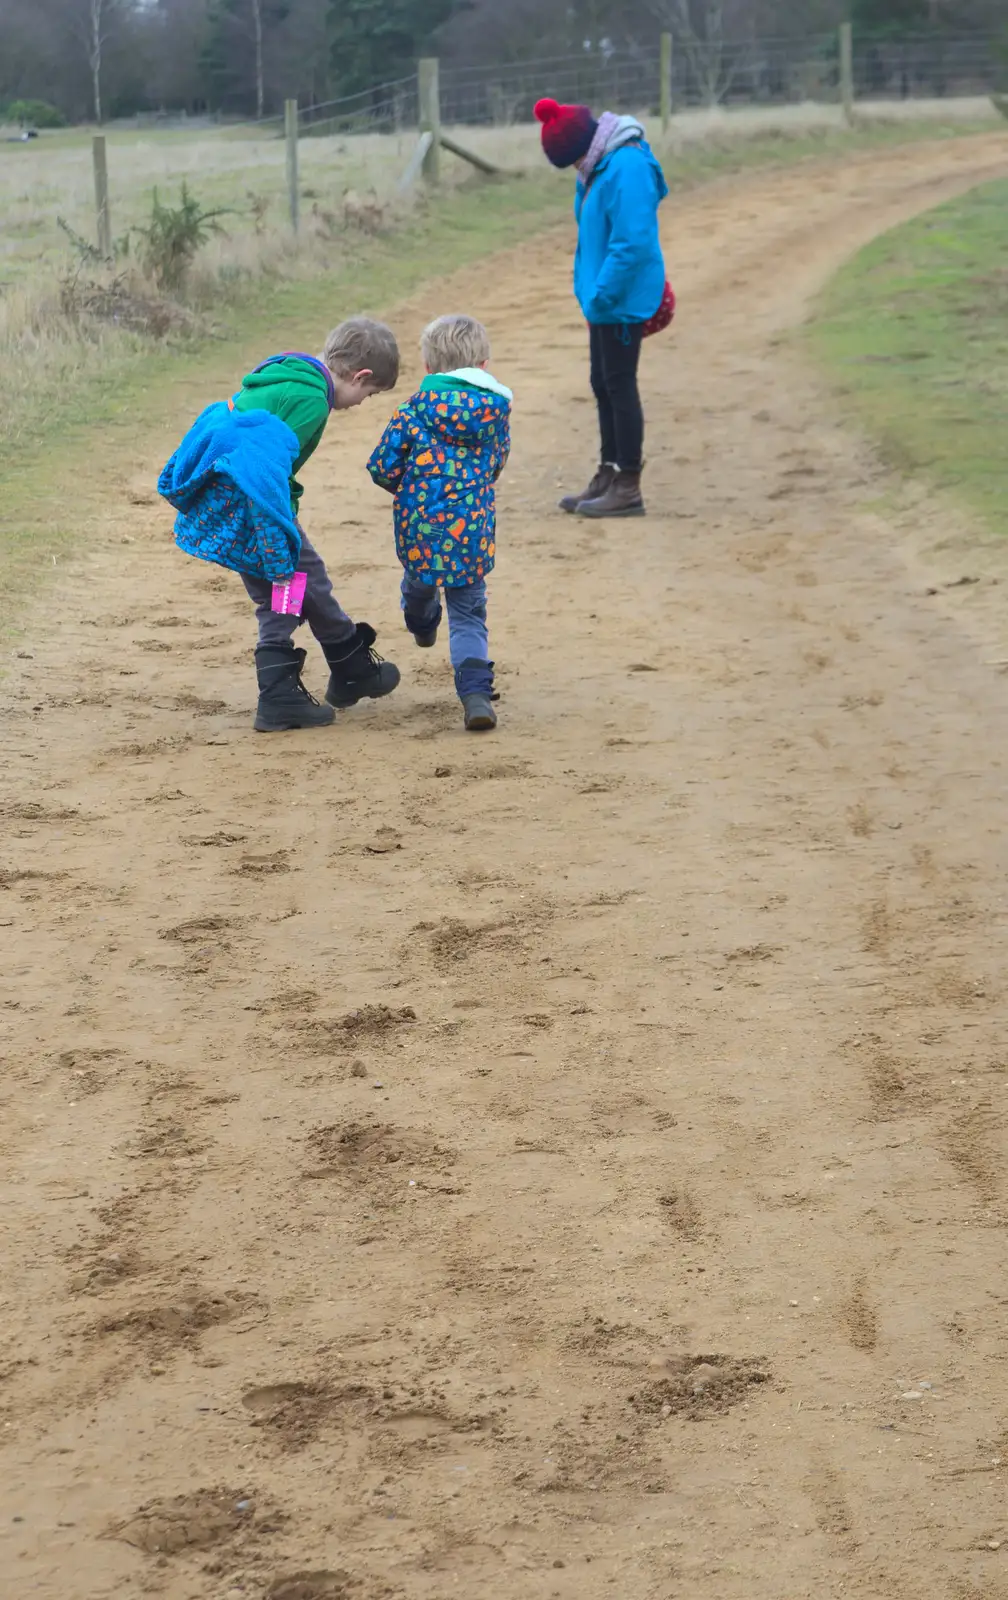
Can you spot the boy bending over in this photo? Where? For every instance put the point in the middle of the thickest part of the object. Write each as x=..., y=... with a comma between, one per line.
x=233, y=481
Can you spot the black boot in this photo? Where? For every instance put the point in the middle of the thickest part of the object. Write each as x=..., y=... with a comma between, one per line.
x=599, y=484
x=284, y=702
x=474, y=686
x=425, y=633
x=357, y=670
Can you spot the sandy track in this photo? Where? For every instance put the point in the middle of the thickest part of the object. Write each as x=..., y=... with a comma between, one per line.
x=692, y=1039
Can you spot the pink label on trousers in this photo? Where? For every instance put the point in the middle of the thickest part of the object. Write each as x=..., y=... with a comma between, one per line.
x=288, y=597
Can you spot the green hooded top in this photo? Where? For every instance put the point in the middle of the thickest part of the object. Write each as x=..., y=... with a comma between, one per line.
x=297, y=390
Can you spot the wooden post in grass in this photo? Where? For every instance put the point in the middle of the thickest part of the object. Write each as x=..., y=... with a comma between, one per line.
x=479, y=162
x=427, y=156
x=847, y=71
x=416, y=161
x=101, y=195
x=666, y=82
x=291, y=132
x=429, y=77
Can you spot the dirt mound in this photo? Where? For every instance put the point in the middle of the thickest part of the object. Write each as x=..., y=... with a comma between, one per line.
x=372, y=1149
x=698, y=1387
x=196, y=1521
x=180, y=1323
x=374, y=1022
x=197, y=930
x=311, y=1586
x=368, y=1025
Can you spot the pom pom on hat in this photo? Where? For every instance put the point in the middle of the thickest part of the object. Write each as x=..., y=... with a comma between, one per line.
x=567, y=131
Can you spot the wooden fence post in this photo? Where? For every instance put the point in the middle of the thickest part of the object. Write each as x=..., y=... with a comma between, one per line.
x=291, y=132
x=101, y=195
x=430, y=115
x=847, y=70
x=666, y=81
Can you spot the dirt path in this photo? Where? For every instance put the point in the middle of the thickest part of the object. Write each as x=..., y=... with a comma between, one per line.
x=569, y=1164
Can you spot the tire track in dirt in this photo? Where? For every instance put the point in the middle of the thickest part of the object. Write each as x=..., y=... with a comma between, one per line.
x=539, y=1165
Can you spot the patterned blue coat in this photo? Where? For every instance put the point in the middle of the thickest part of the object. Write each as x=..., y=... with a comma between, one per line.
x=441, y=456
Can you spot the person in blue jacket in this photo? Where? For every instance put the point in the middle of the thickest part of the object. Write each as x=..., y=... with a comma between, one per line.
x=619, y=281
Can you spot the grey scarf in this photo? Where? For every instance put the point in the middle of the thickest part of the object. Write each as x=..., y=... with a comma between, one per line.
x=612, y=133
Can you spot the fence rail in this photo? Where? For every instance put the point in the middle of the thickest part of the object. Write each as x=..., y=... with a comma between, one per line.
x=909, y=68
x=752, y=72
x=672, y=74
x=756, y=72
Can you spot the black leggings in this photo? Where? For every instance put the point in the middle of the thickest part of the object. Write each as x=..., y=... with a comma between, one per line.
x=615, y=352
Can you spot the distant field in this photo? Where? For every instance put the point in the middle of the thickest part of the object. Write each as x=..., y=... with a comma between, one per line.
x=81, y=372
x=915, y=331
x=51, y=177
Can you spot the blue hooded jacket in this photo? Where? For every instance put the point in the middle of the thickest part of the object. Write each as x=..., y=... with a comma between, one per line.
x=619, y=270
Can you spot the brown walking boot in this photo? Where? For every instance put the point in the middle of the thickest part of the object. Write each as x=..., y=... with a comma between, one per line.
x=599, y=484
x=621, y=499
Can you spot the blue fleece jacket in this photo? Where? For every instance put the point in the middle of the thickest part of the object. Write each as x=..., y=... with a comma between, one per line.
x=619, y=270
x=229, y=482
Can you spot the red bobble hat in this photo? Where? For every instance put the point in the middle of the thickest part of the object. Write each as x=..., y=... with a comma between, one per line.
x=567, y=132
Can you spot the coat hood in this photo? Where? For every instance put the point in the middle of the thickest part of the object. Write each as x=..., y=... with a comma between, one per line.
x=467, y=407
x=294, y=371
x=627, y=129
x=628, y=138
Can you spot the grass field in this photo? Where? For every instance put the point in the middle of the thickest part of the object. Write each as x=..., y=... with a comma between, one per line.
x=915, y=331
x=241, y=170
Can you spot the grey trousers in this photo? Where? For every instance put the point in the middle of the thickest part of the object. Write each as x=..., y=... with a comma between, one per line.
x=321, y=609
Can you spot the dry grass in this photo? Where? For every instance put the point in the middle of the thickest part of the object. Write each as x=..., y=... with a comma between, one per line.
x=50, y=339
x=59, y=322
x=51, y=176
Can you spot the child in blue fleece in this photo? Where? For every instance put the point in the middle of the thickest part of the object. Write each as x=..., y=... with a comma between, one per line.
x=441, y=456
x=233, y=481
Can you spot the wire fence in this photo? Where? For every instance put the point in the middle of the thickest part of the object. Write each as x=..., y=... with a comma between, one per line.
x=756, y=72
x=305, y=154
x=387, y=108
x=931, y=67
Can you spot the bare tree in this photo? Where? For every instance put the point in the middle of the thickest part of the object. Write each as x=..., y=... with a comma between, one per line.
x=258, y=28
x=699, y=32
x=96, y=41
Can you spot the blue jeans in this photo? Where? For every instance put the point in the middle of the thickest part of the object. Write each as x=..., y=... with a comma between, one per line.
x=468, y=641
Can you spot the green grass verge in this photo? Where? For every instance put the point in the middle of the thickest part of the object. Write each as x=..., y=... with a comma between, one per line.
x=914, y=330
x=73, y=450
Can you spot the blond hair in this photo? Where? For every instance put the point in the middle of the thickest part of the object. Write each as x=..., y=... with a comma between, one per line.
x=361, y=345
x=452, y=342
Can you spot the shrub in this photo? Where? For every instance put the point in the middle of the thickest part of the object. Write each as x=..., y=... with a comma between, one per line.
x=35, y=114
x=170, y=240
